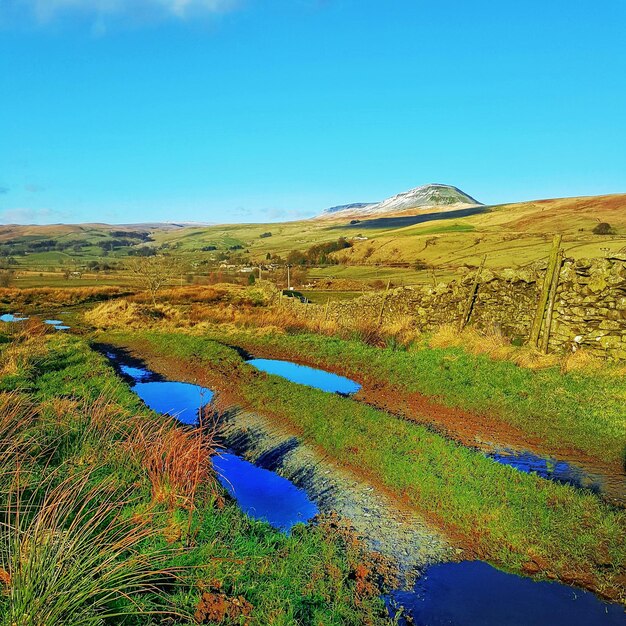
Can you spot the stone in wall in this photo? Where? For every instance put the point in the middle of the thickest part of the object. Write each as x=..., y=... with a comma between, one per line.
x=589, y=310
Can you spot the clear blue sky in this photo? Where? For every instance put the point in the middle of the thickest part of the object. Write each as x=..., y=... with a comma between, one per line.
x=252, y=110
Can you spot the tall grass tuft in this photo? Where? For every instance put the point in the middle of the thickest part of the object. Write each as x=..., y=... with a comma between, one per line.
x=177, y=461
x=70, y=554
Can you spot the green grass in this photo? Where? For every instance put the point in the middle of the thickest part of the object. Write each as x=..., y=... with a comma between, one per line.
x=321, y=296
x=435, y=230
x=583, y=410
x=304, y=578
x=510, y=517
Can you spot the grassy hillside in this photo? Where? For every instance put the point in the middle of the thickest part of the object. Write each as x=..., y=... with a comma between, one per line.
x=384, y=248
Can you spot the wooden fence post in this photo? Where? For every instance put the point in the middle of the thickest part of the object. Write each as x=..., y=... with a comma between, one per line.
x=382, y=305
x=552, y=297
x=535, y=330
x=467, y=309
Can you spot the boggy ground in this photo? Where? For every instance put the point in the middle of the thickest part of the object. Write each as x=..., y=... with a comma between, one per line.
x=599, y=454
x=514, y=520
x=387, y=527
x=112, y=513
x=386, y=524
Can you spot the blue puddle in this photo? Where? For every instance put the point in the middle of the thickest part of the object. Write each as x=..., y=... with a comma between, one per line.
x=137, y=374
x=58, y=324
x=473, y=593
x=303, y=375
x=9, y=317
x=550, y=469
x=180, y=400
x=262, y=494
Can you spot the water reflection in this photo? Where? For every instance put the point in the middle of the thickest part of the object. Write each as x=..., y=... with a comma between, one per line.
x=473, y=593
x=180, y=400
x=551, y=469
x=262, y=494
x=320, y=379
x=9, y=317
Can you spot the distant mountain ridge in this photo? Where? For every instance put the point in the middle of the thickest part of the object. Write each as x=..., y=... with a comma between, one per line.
x=425, y=197
x=355, y=206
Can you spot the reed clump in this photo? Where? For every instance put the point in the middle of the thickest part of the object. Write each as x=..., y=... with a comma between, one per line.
x=124, y=313
x=177, y=462
x=71, y=556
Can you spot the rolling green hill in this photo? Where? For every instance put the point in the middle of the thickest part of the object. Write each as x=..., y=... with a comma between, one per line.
x=406, y=246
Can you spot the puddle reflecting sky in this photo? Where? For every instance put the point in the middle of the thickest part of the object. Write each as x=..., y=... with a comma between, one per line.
x=9, y=317
x=180, y=400
x=551, y=469
x=320, y=379
x=476, y=594
x=263, y=494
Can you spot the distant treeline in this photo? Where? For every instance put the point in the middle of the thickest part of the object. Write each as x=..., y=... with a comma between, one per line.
x=319, y=253
x=119, y=239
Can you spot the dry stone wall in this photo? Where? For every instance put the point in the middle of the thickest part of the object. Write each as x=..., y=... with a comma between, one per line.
x=589, y=308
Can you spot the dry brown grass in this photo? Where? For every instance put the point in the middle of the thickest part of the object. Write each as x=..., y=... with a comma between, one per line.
x=290, y=316
x=21, y=354
x=189, y=294
x=20, y=299
x=495, y=345
x=581, y=360
x=177, y=461
x=125, y=314
x=16, y=413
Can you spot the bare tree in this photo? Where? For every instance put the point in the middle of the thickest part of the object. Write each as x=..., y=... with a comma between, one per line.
x=152, y=273
x=6, y=278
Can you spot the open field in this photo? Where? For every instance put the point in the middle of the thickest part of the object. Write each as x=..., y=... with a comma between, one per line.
x=432, y=408
x=381, y=249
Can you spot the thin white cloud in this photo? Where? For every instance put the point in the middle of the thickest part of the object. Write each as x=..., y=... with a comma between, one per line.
x=27, y=215
x=46, y=11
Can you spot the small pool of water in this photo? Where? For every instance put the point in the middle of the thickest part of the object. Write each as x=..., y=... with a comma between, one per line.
x=61, y=327
x=551, y=469
x=137, y=374
x=53, y=322
x=473, y=593
x=262, y=494
x=180, y=400
x=303, y=375
x=9, y=317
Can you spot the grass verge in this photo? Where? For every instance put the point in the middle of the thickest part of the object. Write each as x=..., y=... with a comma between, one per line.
x=102, y=526
x=578, y=409
x=515, y=520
